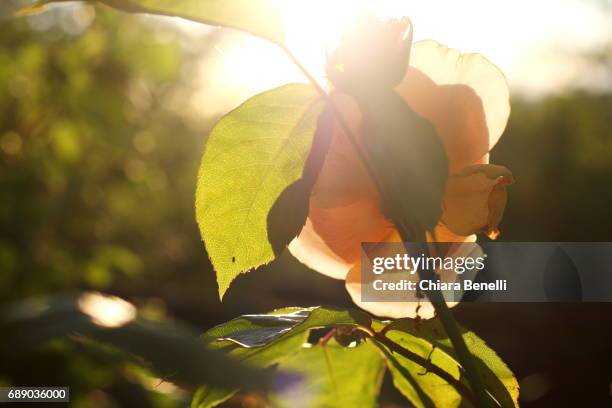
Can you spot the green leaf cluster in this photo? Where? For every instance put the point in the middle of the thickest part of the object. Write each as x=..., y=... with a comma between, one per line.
x=345, y=365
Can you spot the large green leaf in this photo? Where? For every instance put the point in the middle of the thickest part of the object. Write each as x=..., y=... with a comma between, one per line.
x=258, y=17
x=423, y=389
x=224, y=336
x=338, y=374
x=207, y=396
x=252, y=155
x=257, y=330
x=429, y=340
x=279, y=348
x=404, y=378
x=335, y=376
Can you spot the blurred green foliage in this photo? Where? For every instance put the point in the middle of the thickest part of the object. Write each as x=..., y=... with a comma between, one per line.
x=93, y=156
x=560, y=150
x=97, y=169
x=99, y=151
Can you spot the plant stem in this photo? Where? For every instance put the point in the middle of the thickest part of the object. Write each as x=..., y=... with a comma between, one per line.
x=464, y=355
x=408, y=235
x=483, y=399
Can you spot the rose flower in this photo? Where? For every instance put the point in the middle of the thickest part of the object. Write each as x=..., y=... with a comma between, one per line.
x=453, y=192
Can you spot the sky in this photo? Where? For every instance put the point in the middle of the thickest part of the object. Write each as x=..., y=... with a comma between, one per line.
x=538, y=44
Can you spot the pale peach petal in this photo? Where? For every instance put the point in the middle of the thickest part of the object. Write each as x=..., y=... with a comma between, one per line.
x=475, y=198
x=441, y=233
x=312, y=251
x=464, y=96
x=343, y=229
x=393, y=310
x=344, y=204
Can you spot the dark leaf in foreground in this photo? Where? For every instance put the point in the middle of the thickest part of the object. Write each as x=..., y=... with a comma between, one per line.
x=171, y=350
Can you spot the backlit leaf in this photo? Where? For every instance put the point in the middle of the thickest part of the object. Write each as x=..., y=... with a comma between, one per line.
x=170, y=349
x=281, y=347
x=252, y=155
x=335, y=376
x=346, y=368
x=428, y=339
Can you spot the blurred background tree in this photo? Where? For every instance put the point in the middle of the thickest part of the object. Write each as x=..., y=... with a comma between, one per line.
x=99, y=150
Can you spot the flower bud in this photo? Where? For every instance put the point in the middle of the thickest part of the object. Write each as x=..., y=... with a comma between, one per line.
x=372, y=54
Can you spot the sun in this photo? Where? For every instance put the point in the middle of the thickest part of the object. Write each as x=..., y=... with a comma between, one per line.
x=246, y=65
x=515, y=41
x=314, y=28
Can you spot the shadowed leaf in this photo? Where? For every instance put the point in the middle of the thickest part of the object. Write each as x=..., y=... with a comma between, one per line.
x=172, y=350
x=278, y=348
x=288, y=215
x=408, y=155
x=289, y=212
x=335, y=376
